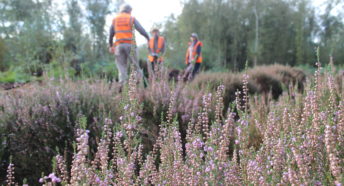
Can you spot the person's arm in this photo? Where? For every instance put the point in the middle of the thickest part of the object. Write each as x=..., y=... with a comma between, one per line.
x=112, y=34
x=198, y=51
x=141, y=30
x=163, y=48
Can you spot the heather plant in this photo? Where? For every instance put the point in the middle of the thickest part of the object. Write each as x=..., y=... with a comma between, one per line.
x=38, y=118
x=198, y=140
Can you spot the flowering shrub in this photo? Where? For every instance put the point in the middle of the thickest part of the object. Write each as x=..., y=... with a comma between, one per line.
x=197, y=140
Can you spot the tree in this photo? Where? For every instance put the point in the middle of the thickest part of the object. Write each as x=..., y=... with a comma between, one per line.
x=332, y=30
x=96, y=12
x=3, y=50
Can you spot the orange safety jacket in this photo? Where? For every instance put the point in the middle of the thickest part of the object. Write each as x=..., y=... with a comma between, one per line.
x=194, y=53
x=123, y=25
x=161, y=42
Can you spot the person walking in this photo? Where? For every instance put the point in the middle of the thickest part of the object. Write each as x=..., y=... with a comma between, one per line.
x=124, y=46
x=156, y=49
x=193, y=57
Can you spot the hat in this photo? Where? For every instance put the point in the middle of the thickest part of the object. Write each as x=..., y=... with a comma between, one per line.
x=194, y=35
x=155, y=30
x=125, y=8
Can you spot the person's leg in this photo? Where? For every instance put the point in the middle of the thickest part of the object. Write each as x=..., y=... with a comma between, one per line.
x=133, y=58
x=121, y=63
x=153, y=66
x=187, y=72
x=150, y=68
x=195, y=70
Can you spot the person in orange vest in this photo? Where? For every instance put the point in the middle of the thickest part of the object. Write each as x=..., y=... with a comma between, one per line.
x=193, y=57
x=156, y=49
x=124, y=46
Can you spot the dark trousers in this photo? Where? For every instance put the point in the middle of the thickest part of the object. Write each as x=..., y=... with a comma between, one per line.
x=196, y=69
x=191, y=71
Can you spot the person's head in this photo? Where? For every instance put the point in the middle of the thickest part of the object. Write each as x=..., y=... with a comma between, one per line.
x=155, y=32
x=125, y=8
x=194, y=37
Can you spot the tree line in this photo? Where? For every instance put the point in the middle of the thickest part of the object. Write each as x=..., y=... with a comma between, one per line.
x=259, y=32
x=34, y=33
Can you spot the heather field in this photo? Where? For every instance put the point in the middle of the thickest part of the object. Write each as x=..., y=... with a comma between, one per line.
x=268, y=125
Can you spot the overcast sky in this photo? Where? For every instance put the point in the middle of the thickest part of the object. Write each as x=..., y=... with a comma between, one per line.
x=151, y=12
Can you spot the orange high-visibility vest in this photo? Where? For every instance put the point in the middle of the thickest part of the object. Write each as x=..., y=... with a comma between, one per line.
x=194, y=53
x=161, y=42
x=123, y=25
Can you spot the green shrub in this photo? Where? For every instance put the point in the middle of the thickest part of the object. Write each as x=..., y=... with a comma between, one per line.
x=14, y=76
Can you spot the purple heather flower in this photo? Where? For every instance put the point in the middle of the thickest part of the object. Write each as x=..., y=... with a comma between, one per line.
x=337, y=183
x=119, y=134
x=243, y=122
x=130, y=126
x=238, y=130
x=126, y=107
x=176, y=134
x=131, y=166
x=120, y=161
x=41, y=180
x=197, y=143
x=109, y=175
x=56, y=180
x=187, y=145
x=323, y=116
x=212, y=164
x=138, y=118
x=317, y=183
x=52, y=175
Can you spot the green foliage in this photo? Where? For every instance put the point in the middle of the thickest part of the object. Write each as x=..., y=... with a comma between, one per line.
x=13, y=76
x=3, y=51
x=261, y=31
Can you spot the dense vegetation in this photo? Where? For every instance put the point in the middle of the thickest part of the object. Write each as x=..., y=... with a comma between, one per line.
x=268, y=125
x=260, y=31
x=271, y=124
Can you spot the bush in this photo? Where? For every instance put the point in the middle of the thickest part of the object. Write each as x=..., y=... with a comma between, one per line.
x=14, y=76
x=162, y=122
x=266, y=83
x=284, y=142
x=40, y=118
x=289, y=76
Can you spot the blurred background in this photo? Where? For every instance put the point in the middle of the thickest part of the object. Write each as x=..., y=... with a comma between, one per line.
x=70, y=38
